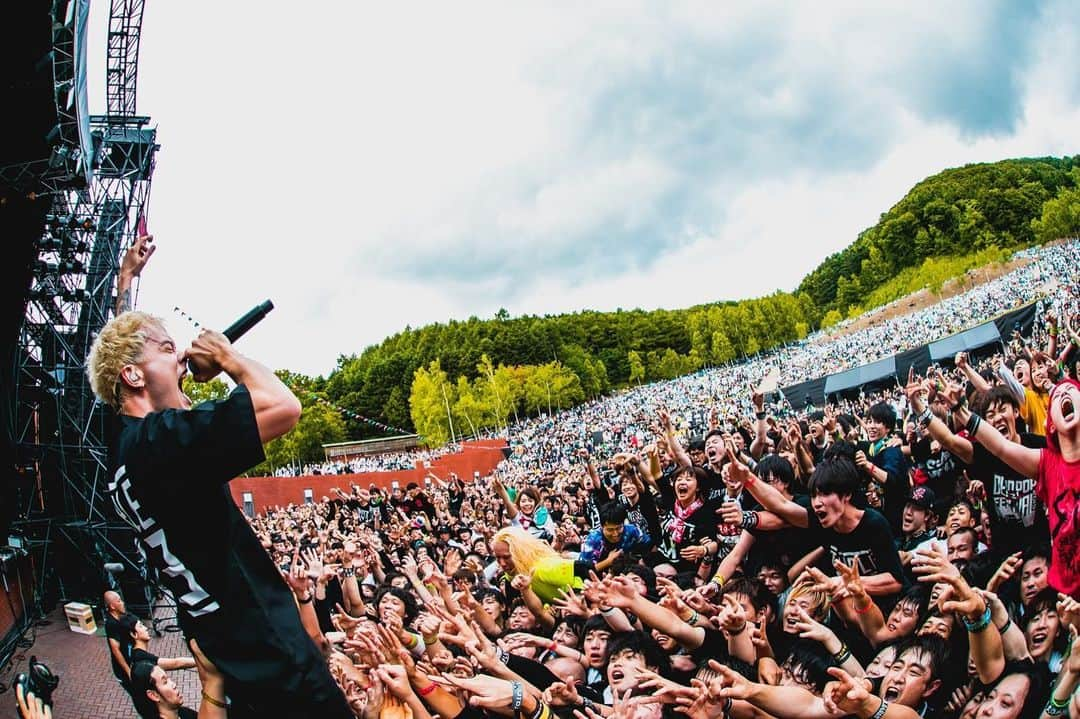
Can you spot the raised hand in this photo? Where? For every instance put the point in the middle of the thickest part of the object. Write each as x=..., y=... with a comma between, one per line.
x=846, y=694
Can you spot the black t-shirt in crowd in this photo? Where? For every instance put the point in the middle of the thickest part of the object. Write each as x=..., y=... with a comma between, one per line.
x=871, y=544
x=170, y=472
x=115, y=630
x=1017, y=517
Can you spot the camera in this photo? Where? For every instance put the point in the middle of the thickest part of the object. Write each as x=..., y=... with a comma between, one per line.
x=37, y=680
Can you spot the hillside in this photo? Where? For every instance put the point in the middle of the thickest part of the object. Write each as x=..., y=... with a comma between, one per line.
x=955, y=212
x=490, y=370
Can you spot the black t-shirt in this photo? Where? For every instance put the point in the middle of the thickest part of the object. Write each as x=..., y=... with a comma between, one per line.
x=141, y=655
x=1017, y=517
x=871, y=543
x=115, y=630
x=170, y=472
x=942, y=470
x=699, y=524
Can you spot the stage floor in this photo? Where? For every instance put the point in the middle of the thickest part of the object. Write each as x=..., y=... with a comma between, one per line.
x=87, y=687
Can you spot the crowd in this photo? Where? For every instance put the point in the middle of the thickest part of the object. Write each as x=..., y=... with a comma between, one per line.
x=688, y=548
x=382, y=462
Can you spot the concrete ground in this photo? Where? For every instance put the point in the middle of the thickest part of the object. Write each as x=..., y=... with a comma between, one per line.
x=87, y=688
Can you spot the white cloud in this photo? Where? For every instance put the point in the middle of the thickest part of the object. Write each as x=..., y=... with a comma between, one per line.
x=370, y=166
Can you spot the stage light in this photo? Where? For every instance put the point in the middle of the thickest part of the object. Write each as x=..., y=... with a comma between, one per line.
x=71, y=222
x=66, y=267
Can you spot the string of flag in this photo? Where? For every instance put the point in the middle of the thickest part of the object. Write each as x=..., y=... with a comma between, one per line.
x=355, y=416
x=342, y=410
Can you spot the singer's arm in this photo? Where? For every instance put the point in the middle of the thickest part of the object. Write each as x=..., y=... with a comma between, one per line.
x=131, y=266
x=276, y=408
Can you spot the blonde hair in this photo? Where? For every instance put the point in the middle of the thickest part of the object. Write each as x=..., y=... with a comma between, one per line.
x=819, y=600
x=526, y=551
x=119, y=344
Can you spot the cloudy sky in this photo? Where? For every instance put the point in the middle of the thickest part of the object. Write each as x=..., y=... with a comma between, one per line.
x=374, y=165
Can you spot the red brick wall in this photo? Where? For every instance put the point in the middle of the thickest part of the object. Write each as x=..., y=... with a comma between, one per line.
x=480, y=456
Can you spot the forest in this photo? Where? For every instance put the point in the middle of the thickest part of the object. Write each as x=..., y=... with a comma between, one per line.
x=479, y=373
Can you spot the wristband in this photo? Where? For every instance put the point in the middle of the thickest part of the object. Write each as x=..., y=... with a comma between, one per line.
x=517, y=696
x=1005, y=627
x=216, y=702
x=843, y=655
x=428, y=689
x=749, y=520
x=411, y=641
x=864, y=610
x=504, y=656
x=305, y=601
x=428, y=641
x=881, y=710
x=727, y=705
x=973, y=424
x=979, y=624
x=541, y=712
x=607, y=610
x=719, y=579
x=960, y=403
x=740, y=630
x=348, y=572
x=926, y=417
x=750, y=480
x=552, y=646
x=693, y=618
x=760, y=415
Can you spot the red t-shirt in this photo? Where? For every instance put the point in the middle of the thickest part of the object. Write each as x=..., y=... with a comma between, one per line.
x=1058, y=487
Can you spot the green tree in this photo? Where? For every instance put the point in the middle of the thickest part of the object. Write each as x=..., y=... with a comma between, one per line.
x=319, y=424
x=637, y=367
x=1061, y=215
x=431, y=391
x=204, y=391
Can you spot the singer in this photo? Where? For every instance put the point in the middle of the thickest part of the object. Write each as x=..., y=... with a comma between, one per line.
x=169, y=466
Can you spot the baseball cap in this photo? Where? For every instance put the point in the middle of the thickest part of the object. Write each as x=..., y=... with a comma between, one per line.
x=923, y=498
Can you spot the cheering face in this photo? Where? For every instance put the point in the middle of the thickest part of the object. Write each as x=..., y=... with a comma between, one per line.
x=914, y=520
x=908, y=680
x=1041, y=632
x=773, y=579
x=686, y=487
x=1033, y=578
x=492, y=606
x=1006, y=700
x=828, y=508
x=389, y=604
x=1022, y=372
x=1064, y=401
x=902, y=618
x=630, y=491
x=595, y=648
x=622, y=671
x=521, y=619
x=565, y=636
x=526, y=504
x=959, y=516
x=881, y=662
x=613, y=533
x=937, y=625
x=960, y=546
x=1003, y=416
x=666, y=643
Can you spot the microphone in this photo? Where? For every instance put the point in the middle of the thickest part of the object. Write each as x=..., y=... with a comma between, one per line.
x=239, y=328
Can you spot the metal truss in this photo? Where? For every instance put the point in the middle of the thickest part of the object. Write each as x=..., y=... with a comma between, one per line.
x=60, y=429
